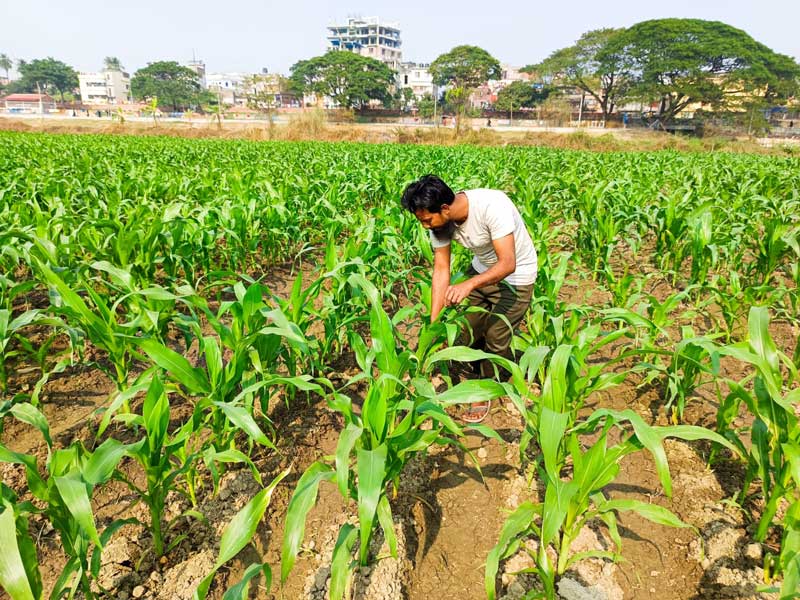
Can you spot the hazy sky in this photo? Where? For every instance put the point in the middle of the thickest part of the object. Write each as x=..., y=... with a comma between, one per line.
x=246, y=35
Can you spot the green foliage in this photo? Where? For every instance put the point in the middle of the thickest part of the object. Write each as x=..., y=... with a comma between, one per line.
x=52, y=76
x=350, y=79
x=463, y=69
x=174, y=86
x=519, y=94
x=683, y=61
x=593, y=65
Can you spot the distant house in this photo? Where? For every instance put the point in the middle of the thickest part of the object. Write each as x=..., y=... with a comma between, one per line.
x=106, y=87
x=28, y=103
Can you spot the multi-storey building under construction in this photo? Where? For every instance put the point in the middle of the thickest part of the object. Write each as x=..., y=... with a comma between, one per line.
x=368, y=36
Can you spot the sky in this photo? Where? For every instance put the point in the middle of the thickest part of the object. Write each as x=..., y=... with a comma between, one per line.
x=248, y=35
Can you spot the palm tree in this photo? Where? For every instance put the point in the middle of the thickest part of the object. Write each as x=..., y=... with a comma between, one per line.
x=5, y=63
x=112, y=63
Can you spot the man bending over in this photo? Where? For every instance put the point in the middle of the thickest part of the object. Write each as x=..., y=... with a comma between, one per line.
x=503, y=269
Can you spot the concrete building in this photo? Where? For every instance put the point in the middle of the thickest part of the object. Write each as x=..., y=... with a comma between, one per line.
x=28, y=103
x=105, y=87
x=199, y=67
x=368, y=36
x=228, y=86
x=416, y=77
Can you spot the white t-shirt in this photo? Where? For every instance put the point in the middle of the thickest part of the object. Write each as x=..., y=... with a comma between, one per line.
x=492, y=215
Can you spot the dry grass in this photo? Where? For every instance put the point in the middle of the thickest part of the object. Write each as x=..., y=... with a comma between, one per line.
x=311, y=125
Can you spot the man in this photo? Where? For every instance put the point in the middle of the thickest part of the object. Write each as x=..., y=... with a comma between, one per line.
x=503, y=269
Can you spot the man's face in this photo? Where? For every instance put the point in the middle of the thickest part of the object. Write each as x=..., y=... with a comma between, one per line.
x=431, y=220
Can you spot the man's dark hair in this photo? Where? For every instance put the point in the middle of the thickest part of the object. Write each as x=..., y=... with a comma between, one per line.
x=428, y=193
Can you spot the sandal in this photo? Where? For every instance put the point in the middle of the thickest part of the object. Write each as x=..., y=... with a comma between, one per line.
x=476, y=412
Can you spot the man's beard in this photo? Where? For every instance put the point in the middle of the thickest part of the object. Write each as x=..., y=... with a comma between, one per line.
x=445, y=232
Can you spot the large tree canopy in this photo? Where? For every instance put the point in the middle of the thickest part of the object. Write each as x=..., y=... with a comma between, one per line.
x=589, y=65
x=682, y=61
x=519, y=94
x=173, y=85
x=52, y=76
x=350, y=79
x=464, y=68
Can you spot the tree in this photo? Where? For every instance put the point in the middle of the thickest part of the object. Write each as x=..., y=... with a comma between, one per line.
x=406, y=97
x=174, y=85
x=263, y=92
x=519, y=94
x=592, y=65
x=678, y=62
x=6, y=63
x=464, y=68
x=349, y=79
x=112, y=63
x=50, y=74
x=426, y=105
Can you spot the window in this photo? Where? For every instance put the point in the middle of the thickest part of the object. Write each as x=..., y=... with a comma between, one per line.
x=405, y=79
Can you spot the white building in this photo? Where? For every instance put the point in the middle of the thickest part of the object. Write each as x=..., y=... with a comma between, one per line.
x=416, y=77
x=228, y=86
x=105, y=87
x=368, y=36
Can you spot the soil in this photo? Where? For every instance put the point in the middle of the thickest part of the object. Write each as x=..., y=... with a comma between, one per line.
x=448, y=513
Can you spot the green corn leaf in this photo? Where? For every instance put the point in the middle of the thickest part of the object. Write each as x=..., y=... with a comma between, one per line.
x=14, y=577
x=552, y=426
x=651, y=512
x=30, y=414
x=471, y=391
x=557, y=497
x=240, y=590
x=371, y=466
x=387, y=524
x=486, y=432
x=155, y=415
x=340, y=562
x=103, y=461
x=303, y=499
x=239, y=531
x=438, y=414
x=76, y=498
x=347, y=439
x=192, y=378
x=517, y=523
x=119, y=399
x=554, y=390
x=37, y=486
x=121, y=277
x=239, y=416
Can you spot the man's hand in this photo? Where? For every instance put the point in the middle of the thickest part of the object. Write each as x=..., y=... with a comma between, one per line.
x=456, y=293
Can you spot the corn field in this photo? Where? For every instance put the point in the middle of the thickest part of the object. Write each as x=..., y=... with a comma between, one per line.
x=209, y=290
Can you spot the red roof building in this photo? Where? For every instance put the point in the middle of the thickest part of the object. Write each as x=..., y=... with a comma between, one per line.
x=28, y=103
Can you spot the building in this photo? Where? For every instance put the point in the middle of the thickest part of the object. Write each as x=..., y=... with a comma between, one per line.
x=199, y=67
x=229, y=87
x=416, y=77
x=28, y=103
x=368, y=36
x=105, y=87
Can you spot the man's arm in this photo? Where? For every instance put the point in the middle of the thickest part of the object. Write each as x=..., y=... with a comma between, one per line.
x=506, y=264
x=441, y=279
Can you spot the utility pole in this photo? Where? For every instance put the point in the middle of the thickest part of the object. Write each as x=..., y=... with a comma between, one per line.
x=580, y=108
x=435, y=100
x=41, y=106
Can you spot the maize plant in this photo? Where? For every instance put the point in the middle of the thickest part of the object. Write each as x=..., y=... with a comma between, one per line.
x=773, y=454
x=573, y=499
x=63, y=497
x=376, y=444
